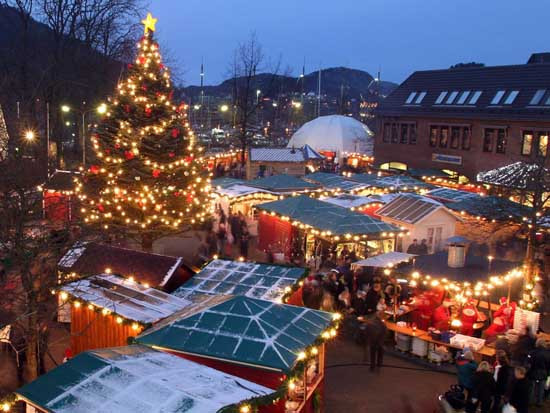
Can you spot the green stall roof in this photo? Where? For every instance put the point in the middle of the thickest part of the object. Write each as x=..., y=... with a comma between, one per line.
x=327, y=217
x=282, y=183
x=224, y=277
x=334, y=181
x=226, y=182
x=491, y=207
x=244, y=330
x=136, y=379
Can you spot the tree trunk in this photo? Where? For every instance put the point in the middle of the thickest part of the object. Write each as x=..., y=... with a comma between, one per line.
x=147, y=242
x=32, y=367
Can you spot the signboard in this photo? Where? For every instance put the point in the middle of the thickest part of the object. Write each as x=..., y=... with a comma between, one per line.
x=524, y=318
x=452, y=159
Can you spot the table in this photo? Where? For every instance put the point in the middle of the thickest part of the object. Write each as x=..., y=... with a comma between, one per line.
x=486, y=351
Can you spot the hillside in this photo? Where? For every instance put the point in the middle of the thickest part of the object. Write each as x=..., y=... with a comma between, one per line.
x=355, y=84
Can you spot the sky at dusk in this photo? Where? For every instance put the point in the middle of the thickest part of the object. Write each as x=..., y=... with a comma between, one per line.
x=400, y=36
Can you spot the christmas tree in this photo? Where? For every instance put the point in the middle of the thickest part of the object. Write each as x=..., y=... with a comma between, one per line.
x=148, y=175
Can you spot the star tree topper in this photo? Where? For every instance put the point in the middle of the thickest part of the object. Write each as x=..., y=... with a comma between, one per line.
x=149, y=23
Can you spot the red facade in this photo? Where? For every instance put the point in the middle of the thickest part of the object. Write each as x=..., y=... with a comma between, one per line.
x=57, y=206
x=274, y=234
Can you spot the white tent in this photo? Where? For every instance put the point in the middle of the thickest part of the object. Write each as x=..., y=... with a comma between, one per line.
x=384, y=260
x=335, y=133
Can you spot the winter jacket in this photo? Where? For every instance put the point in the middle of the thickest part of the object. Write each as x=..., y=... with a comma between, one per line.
x=483, y=385
x=519, y=395
x=505, y=375
x=539, y=360
x=465, y=371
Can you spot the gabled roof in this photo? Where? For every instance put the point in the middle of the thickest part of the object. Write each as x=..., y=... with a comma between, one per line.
x=226, y=182
x=282, y=183
x=333, y=181
x=136, y=379
x=244, y=330
x=224, y=277
x=519, y=175
x=240, y=190
x=91, y=258
x=410, y=209
x=284, y=154
x=349, y=201
x=401, y=183
x=327, y=217
x=451, y=195
x=526, y=79
x=61, y=181
x=491, y=207
x=368, y=178
x=126, y=298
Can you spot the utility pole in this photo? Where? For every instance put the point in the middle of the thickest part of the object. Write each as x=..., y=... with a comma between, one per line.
x=48, y=138
x=319, y=94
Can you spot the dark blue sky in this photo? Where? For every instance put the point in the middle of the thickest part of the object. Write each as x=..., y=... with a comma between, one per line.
x=401, y=36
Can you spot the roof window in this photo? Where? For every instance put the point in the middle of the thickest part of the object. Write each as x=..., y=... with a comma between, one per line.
x=462, y=98
x=441, y=97
x=537, y=97
x=475, y=97
x=410, y=98
x=452, y=97
x=511, y=97
x=420, y=98
x=498, y=97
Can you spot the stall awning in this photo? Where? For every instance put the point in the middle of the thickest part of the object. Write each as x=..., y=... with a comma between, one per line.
x=491, y=207
x=451, y=195
x=384, y=260
x=327, y=217
x=334, y=181
x=283, y=183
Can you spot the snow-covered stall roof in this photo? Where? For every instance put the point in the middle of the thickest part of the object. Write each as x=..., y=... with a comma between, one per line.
x=90, y=258
x=349, y=201
x=238, y=190
x=410, y=208
x=126, y=298
x=451, y=195
x=136, y=379
x=334, y=181
x=384, y=260
x=401, y=183
x=289, y=154
x=224, y=277
x=244, y=330
x=519, y=175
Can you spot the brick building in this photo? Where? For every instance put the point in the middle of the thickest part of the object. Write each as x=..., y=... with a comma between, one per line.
x=466, y=119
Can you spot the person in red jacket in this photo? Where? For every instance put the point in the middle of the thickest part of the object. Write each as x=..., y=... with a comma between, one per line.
x=468, y=317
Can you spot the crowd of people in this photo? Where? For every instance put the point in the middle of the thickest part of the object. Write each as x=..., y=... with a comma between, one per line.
x=518, y=378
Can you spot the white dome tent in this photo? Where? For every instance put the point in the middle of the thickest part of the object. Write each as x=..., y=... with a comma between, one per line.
x=335, y=133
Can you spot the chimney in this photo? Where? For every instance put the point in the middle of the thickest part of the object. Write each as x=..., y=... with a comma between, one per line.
x=457, y=255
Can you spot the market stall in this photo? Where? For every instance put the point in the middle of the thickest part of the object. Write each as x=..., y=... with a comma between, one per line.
x=274, y=345
x=312, y=228
x=58, y=196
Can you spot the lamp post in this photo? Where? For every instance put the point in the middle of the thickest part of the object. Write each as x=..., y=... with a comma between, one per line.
x=101, y=109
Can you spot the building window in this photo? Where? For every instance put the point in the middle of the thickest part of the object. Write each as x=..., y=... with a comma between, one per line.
x=394, y=133
x=466, y=139
x=463, y=96
x=455, y=137
x=420, y=98
x=444, y=137
x=452, y=97
x=511, y=97
x=433, y=136
x=498, y=97
x=440, y=98
x=410, y=98
x=501, y=140
x=488, y=139
x=543, y=143
x=404, y=133
x=387, y=132
x=475, y=97
x=537, y=97
x=527, y=143
x=412, y=134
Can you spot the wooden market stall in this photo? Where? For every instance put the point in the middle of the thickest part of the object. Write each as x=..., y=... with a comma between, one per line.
x=275, y=345
x=311, y=226
x=58, y=201
x=262, y=162
x=106, y=310
x=135, y=379
x=336, y=183
x=365, y=204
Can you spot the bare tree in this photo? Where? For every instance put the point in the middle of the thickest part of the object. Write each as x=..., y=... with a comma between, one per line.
x=249, y=82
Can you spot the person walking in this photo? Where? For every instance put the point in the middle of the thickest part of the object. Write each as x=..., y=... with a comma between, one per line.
x=221, y=235
x=375, y=330
x=503, y=377
x=483, y=388
x=518, y=394
x=539, y=371
x=466, y=368
x=243, y=241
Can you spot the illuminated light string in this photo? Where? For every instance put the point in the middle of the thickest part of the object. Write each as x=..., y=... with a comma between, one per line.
x=122, y=201
x=295, y=375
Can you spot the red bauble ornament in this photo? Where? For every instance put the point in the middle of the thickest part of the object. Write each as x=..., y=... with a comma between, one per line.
x=161, y=66
x=175, y=133
x=130, y=65
x=171, y=154
x=188, y=158
x=129, y=155
x=148, y=112
x=144, y=87
x=107, y=151
x=156, y=173
x=117, y=145
x=127, y=108
x=189, y=198
x=100, y=207
x=141, y=60
x=94, y=169
x=177, y=193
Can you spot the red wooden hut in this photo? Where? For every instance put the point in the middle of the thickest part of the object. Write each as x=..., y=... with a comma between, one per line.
x=58, y=197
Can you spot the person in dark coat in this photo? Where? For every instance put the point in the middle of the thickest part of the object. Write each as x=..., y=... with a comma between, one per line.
x=358, y=303
x=423, y=247
x=413, y=248
x=375, y=332
x=504, y=375
x=539, y=370
x=466, y=368
x=483, y=388
x=518, y=394
x=373, y=297
x=522, y=348
x=243, y=242
x=235, y=227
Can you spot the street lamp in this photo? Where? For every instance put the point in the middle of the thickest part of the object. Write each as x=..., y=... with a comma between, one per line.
x=29, y=135
x=224, y=108
x=101, y=109
x=258, y=95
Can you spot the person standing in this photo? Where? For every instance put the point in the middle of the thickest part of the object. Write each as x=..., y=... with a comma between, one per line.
x=221, y=235
x=518, y=394
x=540, y=370
x=413, y=248
x=423, y=247
x=466, y=368
x=243, y=242
x=376, y=332
x=483, y=388
x=503, y=377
